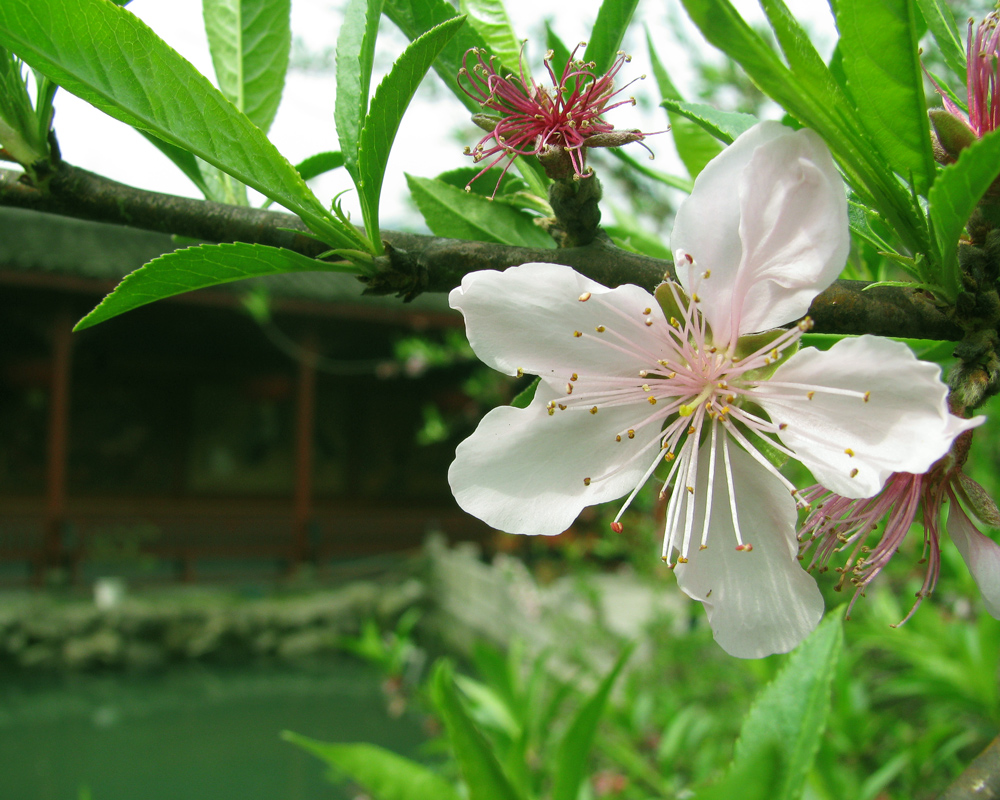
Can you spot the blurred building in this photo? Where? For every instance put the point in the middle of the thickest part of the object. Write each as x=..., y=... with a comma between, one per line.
x=190, y=433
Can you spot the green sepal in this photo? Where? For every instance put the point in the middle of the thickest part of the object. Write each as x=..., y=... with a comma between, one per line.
x=671, y=310
x=524, y=397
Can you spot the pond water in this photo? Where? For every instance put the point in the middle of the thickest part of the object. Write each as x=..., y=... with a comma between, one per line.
x=194, y=733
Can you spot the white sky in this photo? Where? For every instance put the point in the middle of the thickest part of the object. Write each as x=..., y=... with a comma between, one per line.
x=425, y=144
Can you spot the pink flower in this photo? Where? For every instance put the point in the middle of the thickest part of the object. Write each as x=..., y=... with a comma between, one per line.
x=701, y=381
x=953, y=128
x=540, y=121
x=842, y=524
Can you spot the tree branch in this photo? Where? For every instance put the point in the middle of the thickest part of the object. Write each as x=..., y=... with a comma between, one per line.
x=981, y=779
x=418, y=263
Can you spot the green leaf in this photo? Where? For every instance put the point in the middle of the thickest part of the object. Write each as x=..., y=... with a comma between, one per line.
x=880, y=51
x=483, y=775
x=489, y=18
x=571, y=755
x=198, y=267
x=19, y=129
x=379, y=772
x=790, y=713
x=942, y=26
x=107, y=56
x=863, y=166
x=524, y=397
x=355, y=58
x=319, y=163
x=391, y=99
x=613, y=20
x=415, y=17
x=725, y=126
x=954, y=197
x=695, y=146
x=457, y=214
x=250, y=41
x=758, y=778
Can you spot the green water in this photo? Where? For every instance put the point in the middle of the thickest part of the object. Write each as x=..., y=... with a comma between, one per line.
x=188, y=734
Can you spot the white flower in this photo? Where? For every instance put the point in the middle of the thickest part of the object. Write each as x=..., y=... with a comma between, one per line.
x=626, y=386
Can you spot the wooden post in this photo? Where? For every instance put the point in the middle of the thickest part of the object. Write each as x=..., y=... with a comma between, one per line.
x=305, y=423
x=61, y=332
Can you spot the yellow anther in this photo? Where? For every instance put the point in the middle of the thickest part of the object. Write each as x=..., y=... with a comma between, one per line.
x=577, y=334
x=649, y=322
x=574, y=377
x=618, y=438
x=868, y=396
x=707, y=273
x=599, y=329
x=647, y=311
x=681, y=560
x=774, y=354
x=695, y=298
x=569, y=388
x=585, y=297
x=674, y=323
x=854, y=473
x=645, y=387
x=730, y=398
x=643, y=373
x=849, y=452
x=652, y=401
x=782, y=426
x=662, y=363
x=586, y=481
x=810, y=395
x=690, y=489
x=631, y=433
x=562, y=407
x=692, y=431
x=520, y=372
x=593, y=410
x=671, y=375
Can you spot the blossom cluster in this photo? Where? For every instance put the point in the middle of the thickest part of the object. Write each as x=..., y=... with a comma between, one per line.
x=704, y=385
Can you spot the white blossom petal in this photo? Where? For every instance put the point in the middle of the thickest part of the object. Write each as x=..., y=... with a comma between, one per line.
x=525, y=318
x=523, y=471
x=768, y=220
x=761, y=601
x=852, y=444
x=981, y=554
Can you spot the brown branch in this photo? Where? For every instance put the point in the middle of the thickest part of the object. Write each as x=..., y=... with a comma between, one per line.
x=981, y=779
x=418, y=263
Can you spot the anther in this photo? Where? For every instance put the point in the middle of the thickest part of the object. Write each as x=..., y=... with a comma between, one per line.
x=569, y=388
x=868, y=396
x=681, y=560
x=849, y=452
x=593, y=410
x=782, y=426
x=854, y=472
x=652, y=401
x=574, y=377
x=704, y=547
x=692, y=431
x=599, y=329
x=631, y=433
x=577, y=334
x=810, y=395
x=618, y=438
x=647, y=311
x=585, y=297
x=645, y=387
x=643, y=373
x=617, y=527
x=744, y=548
x=561, y=406
x=520, y=372
x=649, y=322
x=668, y=456
x=674, y=323
x=586, y=481
x=690, y=489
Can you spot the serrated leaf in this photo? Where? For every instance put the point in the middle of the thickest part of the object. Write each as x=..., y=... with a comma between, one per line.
x=391, y=99
x=574, y=748
x=319, y=163
x=863, y=167
x=790, y=713
x=613, y=20
x=108, y=57
x=941, y=23
x=381, y=773
x=695, y=146
x=880, y=49
x=456, y=214
x=16, y=110
x=483, y=775
x=355, y=58
x=725, y=126
x=489, y=18
x=954, y=197
x=199, y=267
x=416, y=17
x=250, y=41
